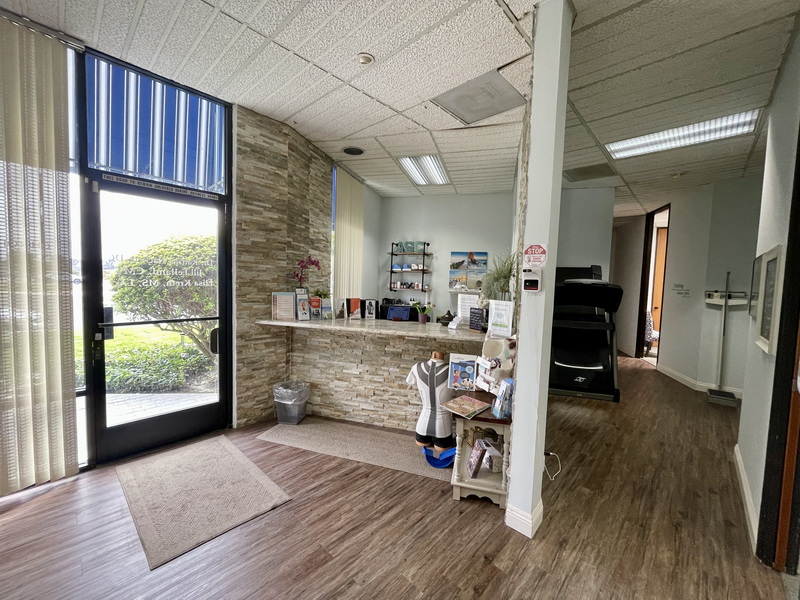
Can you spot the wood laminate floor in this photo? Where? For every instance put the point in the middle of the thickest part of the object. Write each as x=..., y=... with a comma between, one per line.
x=647, y=506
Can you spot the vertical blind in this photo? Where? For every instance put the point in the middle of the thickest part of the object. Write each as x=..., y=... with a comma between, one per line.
x=37, y=388
x=146, y=128
x=348, y=244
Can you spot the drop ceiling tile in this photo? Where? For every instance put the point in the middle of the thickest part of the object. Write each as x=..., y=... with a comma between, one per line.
x=518, y=74
x=242, y=49
x=312, y=16
x=514, y=115
x=583, y=158
x=432, y=117
x=117, y=17
x=272, y=14
x=191, y=22
x=366, y=120
x=79, y=19
x=45, y=12
x=394, y=125
x=408, y=144
x=394, y=192
x=520, y=8
x=369, y=145
x=261, y=75
x=728, y=60
x=655, y=31
x=436, y=190
x=153, y=25
x=212, y=46
x=592, y=11
x=355, y=14
x=479, y=138
x=578, y=138
x=738, y=96
x=373, y=167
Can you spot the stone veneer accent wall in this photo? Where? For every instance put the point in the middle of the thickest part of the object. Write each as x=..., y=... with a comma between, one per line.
x=362, y=377
x=283, y=214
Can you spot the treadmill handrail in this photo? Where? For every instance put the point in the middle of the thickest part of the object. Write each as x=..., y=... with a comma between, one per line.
x=583, y=325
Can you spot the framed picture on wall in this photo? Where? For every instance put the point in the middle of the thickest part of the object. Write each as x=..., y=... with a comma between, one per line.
x=769, y=300
x=755, y=282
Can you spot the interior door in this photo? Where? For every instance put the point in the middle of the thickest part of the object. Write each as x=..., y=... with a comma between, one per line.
x=658, y=277
x=155, y=356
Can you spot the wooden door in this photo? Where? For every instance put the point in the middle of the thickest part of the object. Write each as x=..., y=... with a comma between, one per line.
x=658, y=277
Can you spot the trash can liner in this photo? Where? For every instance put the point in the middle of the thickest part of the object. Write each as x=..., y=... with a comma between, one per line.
x=291, y=392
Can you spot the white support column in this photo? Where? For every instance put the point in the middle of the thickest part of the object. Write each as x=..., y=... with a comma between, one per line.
x=551, y=39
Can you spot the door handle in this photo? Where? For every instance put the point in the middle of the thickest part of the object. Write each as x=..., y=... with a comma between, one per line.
x=213, y=340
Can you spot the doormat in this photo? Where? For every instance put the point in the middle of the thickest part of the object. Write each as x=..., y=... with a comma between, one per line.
x=363, y=444
x=185, y=497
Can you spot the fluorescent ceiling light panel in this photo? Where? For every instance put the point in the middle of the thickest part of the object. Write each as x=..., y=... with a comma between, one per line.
x=698, y=133
x=424, y=170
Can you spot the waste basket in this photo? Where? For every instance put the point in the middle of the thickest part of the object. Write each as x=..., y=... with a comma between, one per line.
x=291, y=398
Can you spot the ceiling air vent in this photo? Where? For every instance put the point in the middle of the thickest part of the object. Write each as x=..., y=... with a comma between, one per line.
x=588, y=173
x=480, y=98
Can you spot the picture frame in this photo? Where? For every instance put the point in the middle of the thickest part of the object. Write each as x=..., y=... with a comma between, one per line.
x=769, y=300
x=755, y=282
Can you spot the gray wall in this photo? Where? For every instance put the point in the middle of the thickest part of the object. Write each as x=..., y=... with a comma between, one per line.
x=732, y=247
x=626, y=272
x=783, y=123
x=451, y=223
x=585, y=227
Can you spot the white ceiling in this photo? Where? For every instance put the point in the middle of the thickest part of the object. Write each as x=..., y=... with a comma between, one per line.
x=637, y=66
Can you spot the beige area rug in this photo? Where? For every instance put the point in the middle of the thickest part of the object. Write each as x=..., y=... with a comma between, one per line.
x=363, y=444
x=184, y=497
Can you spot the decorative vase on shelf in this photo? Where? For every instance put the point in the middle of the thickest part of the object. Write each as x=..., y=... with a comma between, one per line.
x=423, y=318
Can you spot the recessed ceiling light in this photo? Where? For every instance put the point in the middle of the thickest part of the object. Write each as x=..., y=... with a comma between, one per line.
x=424, y=170
x=697, y=133
x=353, y=150
x=364, y=58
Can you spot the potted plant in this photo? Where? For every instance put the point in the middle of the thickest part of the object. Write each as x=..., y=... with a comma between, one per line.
x=497, y=282
x=423, y=310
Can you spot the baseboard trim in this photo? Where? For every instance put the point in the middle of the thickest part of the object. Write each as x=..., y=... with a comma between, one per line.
x=747, y=498
x=698, y=386
x=524, y=523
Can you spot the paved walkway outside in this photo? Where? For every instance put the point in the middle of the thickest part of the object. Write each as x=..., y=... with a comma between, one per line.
x=126, y=408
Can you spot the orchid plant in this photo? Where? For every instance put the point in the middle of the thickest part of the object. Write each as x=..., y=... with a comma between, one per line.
x=304, y=265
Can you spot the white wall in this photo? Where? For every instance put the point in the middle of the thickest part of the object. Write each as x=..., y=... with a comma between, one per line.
x=732, y=247
x=370, y=278
x=626, y=272
x=451, y=223
x=683, y=312
x=783, y=123
x=585, y=226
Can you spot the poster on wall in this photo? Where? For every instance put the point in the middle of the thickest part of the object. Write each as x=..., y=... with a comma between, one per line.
x=467, y=270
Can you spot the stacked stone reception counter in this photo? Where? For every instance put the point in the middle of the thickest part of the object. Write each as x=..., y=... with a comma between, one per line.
x=357, y=369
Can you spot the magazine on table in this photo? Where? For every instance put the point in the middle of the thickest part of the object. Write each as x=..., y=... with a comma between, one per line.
x=303, y=308
x=315, y=302
x=466, y=406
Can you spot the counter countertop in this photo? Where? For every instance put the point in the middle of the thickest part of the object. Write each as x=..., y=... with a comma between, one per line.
x=433, y=331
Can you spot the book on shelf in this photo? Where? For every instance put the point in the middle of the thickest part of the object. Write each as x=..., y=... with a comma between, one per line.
x=466, y=406
x=340, y=308
x=354, y=308
x=326, y=309
x=476, y=458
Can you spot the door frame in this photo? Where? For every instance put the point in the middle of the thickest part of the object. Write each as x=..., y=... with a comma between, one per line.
x=92, y=279
x=647, y=254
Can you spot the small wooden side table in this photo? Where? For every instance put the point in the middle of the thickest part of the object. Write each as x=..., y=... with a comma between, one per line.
x=486, y=484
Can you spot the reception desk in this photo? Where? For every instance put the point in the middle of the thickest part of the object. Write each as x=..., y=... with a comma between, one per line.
x=357, y=369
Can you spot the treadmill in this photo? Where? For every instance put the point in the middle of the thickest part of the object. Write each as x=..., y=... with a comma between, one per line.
x=583, y=357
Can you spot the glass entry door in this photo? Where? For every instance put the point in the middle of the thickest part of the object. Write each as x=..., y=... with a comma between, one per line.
x=156, y=352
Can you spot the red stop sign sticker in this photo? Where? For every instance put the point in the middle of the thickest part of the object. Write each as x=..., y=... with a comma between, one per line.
x=535, y=255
